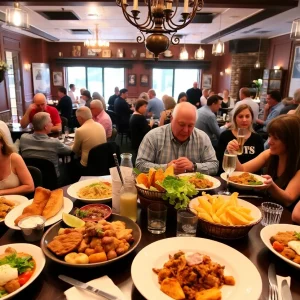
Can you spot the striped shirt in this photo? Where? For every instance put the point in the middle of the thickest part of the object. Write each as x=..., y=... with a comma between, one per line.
x=159, y=147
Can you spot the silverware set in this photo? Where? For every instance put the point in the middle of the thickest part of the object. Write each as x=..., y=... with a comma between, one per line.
x=273, y=287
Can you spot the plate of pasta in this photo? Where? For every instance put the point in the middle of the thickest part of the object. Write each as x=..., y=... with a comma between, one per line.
x=201, y=181
x=98, y=189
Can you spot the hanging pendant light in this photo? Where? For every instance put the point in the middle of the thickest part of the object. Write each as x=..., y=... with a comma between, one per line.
x=219, y=47
x=257, y=64
x=200, y=53
x=96, y=44
x=17, y=17
x=295, y=30
x=184, y=55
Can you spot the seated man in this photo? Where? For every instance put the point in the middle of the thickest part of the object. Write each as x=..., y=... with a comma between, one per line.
x=179, y=144
x=40, y=105
x=89, y=135
x=207, y=120
x=100, y=116
x=40, y=145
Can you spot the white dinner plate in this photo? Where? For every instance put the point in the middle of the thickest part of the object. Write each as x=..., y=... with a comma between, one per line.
x=248, y=281
x=18, y=199
x=215, y=181
x=74, y=188
x=38, y=256
x=267, y=232
x=243, y=186
x=17, y=211
x=72, y=135
x=255, y=211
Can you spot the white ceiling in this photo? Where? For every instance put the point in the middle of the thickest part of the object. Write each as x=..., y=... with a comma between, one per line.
x=114, y=27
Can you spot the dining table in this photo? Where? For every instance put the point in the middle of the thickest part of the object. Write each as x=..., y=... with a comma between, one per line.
x=16, y=130
x=49, y=287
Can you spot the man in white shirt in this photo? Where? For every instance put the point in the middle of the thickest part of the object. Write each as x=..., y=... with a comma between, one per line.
x=204, y=97
x=245, y=99
x=72, y=94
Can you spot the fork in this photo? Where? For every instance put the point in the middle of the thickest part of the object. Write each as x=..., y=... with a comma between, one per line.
x=273, y=292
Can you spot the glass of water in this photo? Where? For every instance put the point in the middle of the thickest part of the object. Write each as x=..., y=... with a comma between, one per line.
x=271, y=213
x=228, y=165
x=186, y=222
x=157, y=217
x=66, y=130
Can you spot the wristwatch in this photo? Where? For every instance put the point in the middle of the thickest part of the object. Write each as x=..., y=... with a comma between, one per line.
x=194, y=166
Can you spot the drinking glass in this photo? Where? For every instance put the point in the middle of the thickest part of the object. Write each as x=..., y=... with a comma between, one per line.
x=126, y=160
x=66, y=130
x=186, y=222
x=271, y=213
x=228, y=165
x=157, y=217
x=241, y=138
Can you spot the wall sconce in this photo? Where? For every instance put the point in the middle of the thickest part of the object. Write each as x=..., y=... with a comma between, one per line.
x=221, y=73
x=27, y=67
x=276, y=67
x=228, y=71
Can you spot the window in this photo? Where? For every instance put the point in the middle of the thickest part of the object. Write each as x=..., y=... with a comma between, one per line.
x=173, y=81
x=101, y=80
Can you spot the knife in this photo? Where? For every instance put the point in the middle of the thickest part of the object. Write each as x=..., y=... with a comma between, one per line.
x=285, y=291
x=250, y=196
x=87, y=287
x=272, y=276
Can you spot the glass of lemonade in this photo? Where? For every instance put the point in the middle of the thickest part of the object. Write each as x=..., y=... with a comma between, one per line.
x=128, y=200
x=228, y=165
x=241, y=138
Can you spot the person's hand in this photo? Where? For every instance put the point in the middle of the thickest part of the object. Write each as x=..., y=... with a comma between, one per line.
x=31, y=107
x=233, y=146
x=267, y=183
x=151, y=123
x=182, y=164
x=227, y=125
x=198, y=103
x=267, y=107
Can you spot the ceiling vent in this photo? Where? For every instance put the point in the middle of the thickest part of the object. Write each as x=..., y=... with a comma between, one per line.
x=250, y=30
x=61, y=15
x=80, y=31
x=204, y=18
x=263, y=31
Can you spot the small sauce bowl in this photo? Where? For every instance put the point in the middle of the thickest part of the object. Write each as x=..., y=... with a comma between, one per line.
x=32, y=227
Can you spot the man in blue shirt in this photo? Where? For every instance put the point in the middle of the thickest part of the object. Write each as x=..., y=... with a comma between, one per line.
x=207, y=120
x=155, y=105
x=272, y=110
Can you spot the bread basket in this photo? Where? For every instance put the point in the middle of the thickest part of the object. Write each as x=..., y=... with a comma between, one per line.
x=151, y=195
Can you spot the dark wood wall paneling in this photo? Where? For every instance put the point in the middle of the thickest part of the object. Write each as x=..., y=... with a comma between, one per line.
x=138, y=67
x=280, y=55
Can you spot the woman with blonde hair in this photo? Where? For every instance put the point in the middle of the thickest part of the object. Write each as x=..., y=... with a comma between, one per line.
x=144, y=96
x=165, y=116
x=296, y=101
x=254, y=144
x=281, y=161
x=14, y=176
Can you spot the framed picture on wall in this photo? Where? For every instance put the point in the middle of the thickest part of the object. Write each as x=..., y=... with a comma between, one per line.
x=265, y=84
x=266, y=74
x=295, y=70
x=106, y=53
x=274, y=85
x=275, y=74
x=144, y=80
x=58, y=79
x=207, y=81
x=132, y=79
x=41, y=78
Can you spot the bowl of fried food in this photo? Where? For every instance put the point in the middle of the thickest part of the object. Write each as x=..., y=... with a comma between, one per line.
x=92, y=245
x=225, y=217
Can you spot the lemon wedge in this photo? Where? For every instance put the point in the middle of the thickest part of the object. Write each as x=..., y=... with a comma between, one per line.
x=72, y=221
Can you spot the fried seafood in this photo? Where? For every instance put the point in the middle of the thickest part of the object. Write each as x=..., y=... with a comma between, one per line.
x=6, y=206
x=245, y=178
x=192, y=276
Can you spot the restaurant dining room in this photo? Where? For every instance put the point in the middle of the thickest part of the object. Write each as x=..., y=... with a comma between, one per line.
x=150, y=150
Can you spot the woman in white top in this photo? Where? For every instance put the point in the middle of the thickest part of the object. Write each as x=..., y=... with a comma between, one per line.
x=14, y=176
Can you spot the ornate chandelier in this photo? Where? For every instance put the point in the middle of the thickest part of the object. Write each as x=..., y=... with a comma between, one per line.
x=96, y=43
x=159, y=21
x=17, y=17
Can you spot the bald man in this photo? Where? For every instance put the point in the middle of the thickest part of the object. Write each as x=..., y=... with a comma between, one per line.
x=179, y=144
x=40, y=105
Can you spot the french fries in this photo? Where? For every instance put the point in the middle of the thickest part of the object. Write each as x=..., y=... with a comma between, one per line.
x=154, y=176
x=217, y=209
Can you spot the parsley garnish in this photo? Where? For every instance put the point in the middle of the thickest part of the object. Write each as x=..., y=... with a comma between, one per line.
x=21, y=263
x=297, y=235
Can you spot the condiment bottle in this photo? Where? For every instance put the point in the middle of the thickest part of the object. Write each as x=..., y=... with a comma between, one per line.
x=128, y=199
x=126, y=160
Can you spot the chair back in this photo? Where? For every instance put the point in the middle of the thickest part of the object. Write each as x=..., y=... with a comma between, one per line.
x=113, y=116
x=36, y=175
x=49, y=177
x=114, y=134
x=101, y=159
x=64, y=123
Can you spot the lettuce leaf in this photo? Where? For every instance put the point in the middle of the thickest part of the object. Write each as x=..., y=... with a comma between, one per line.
x=178, y=191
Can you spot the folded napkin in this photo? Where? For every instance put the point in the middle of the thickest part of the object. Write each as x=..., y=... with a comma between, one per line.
x=103, y=283
x=279, y=281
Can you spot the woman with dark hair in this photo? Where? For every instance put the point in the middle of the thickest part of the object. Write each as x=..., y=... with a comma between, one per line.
x=86, y=96
x=182, y=97
x=138, y=124
x=254, y=144
x=281, y=162
x=225, y=102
